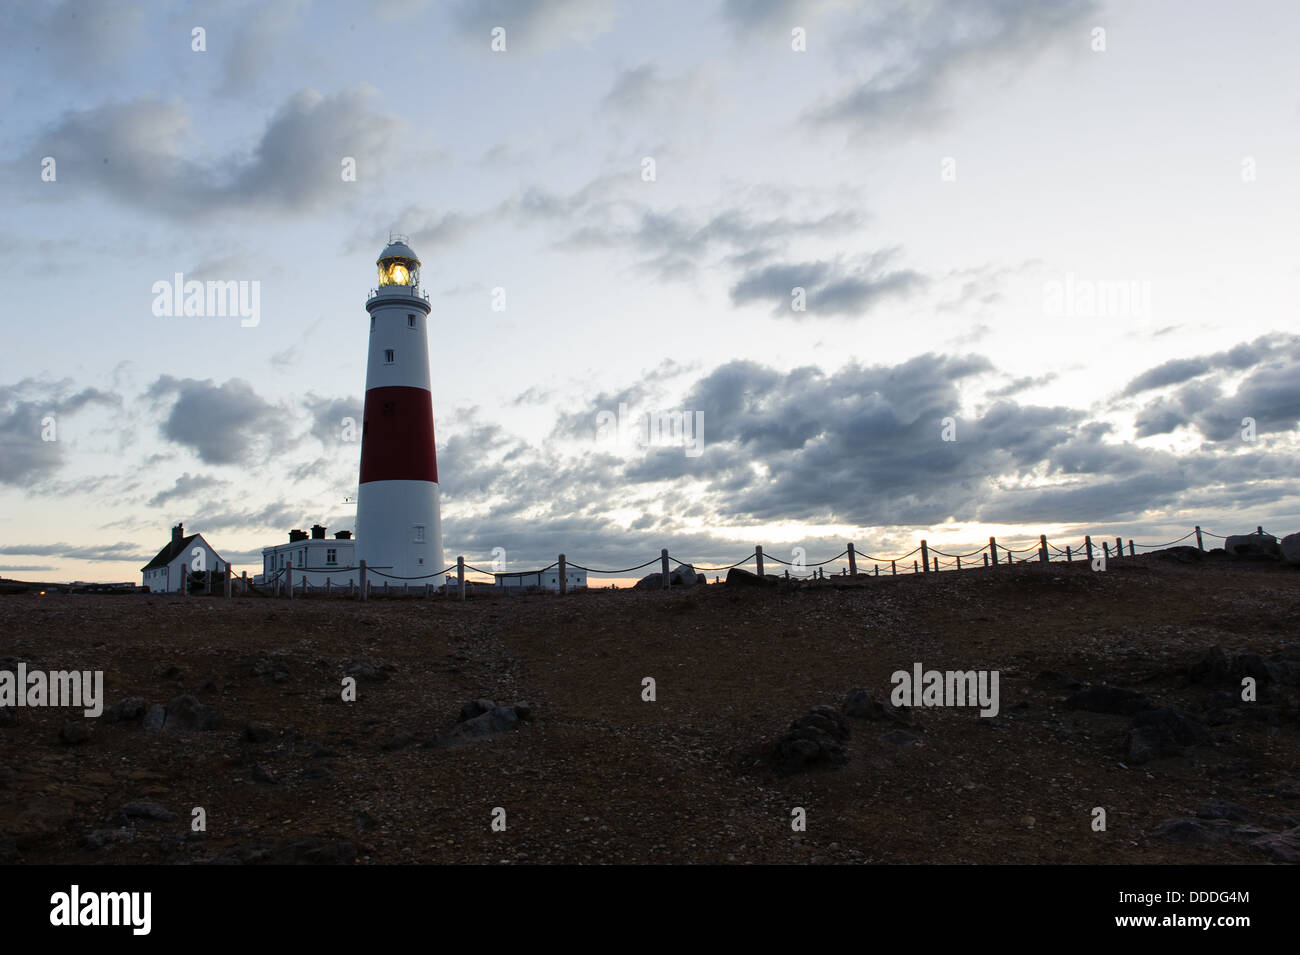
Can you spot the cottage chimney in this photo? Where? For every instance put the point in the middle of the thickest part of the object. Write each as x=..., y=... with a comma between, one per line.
x=318, y=532
x=178, y=534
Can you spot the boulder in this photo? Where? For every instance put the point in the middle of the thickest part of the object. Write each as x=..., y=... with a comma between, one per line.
x=865, y=705
x=683, y=576
x=1283, y=846
x=185, y=713
x=474, y=708
x=1163, y=732
x=1193, y=832
x=736, y=577
x=155, y=717
x=498, y=719
x=813, y=741
x=1252, y=545
x=1291, y=548
x=1107, y=699
x=74, y=732
x=132, y=708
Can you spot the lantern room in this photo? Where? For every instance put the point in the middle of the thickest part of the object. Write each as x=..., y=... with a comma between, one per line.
x=398, y=264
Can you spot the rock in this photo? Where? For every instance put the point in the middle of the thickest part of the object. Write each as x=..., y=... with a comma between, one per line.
x=684, y=576
x=155, y=717
x=185, y=713
x=865, y=705
x=900, y=738
x=261, y=774
x=257, y=732
x=1253, y=545
x=1193, y=832
x=1233, y=812
x=474, y=708
x=524, y=710
x=146, y=810
x=1163, y=732
x=814, y=740
x=74, y=732
x=499, y=719
x=1182, y=554
x=1283, y=846
x=1107, y=699
x=1061, y=681
x=400, y=741
x=102, y=838
x=743, y=578
x=131, y=708
x=365, y=672
x=1290, y=547
x=270, y=669
x=172, y=673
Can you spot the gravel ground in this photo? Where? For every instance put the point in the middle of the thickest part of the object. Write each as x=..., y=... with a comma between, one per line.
x=597, y=774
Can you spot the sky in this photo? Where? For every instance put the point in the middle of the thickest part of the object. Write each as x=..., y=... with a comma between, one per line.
x=937, y=269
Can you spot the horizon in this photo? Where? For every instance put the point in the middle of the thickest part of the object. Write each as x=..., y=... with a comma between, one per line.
x=944, y=273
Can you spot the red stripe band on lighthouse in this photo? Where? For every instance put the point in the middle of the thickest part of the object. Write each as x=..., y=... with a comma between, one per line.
x=397, y=435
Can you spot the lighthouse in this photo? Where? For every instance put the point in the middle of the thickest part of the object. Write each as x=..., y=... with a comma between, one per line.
x=399, y=530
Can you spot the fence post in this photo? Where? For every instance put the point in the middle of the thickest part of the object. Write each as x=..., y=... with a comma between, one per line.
x=460, y=576
x=914, y=568
x=564, y=575
x=228, y=582
x=185, y=580
x=758, y=558
x=364, y=592
x=853, y=561
x=1131, y=552
x=1042, y=548
x=207, y=581
x=993, y=551
x=663, y=565
x=1259, y=531
x=1068, y=558
x=1087, y=546
x=893, y=568
x=244, y=589
x=925, y=557
x=406, y=588
x=986, y=560
x=329, y=586
x=1119, y=547
x=288, y=570
x=385, y=586
x=427, y=585
x=877, y=566
x=1105, y=549
x=1199, y=545
x=959, y=563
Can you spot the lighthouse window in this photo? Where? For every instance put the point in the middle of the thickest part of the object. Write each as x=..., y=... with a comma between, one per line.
x=410, y=321
x=372, y=323
x=417, y=533
x=389, y=358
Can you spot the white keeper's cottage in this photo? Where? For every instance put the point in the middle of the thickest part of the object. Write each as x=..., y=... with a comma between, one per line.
x=162, y=575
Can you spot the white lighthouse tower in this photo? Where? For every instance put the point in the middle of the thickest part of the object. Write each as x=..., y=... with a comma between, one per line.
x=399, y=530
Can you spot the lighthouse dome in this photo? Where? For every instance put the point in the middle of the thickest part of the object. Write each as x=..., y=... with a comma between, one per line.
x=398, y=263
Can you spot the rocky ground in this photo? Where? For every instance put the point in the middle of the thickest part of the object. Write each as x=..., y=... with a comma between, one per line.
x=1112, y=695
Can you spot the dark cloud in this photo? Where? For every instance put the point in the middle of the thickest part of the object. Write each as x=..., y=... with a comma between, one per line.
x=831, y=288
x=223, y=424
x=25, y=455
x=140, y=153
x=187, y=485
x=921, y=53
x=533, y=25
x=1238, y=358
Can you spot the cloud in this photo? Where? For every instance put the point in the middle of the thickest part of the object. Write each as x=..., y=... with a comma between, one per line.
x=831, y=288
x=140, y=153
x=187, y=485
x=223, y=424
x=534, y=25
x=30, y=412
x=917, y=56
